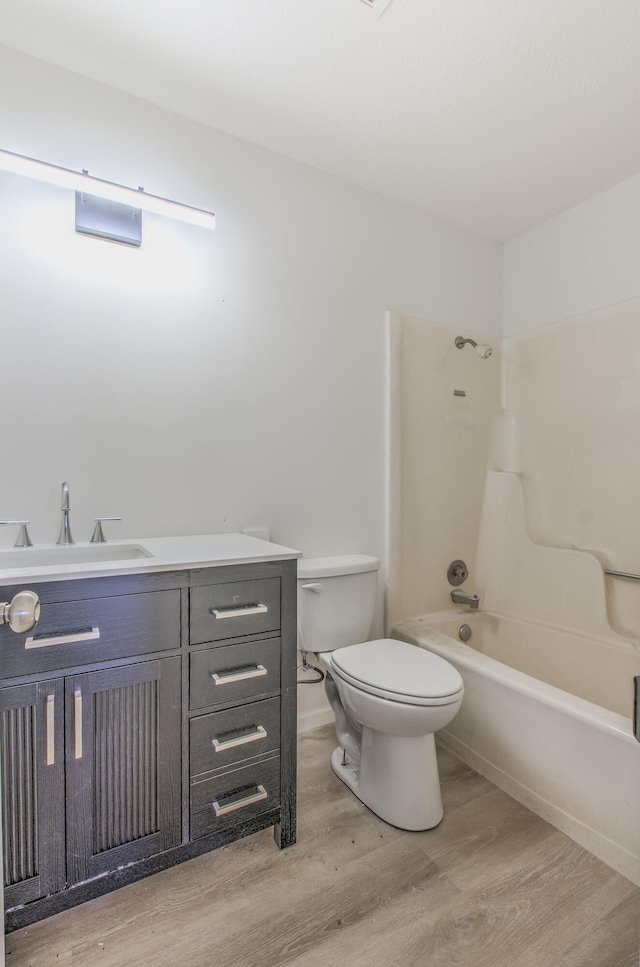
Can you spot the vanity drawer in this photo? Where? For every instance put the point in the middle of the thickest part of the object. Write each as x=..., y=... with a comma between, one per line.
x=235, y=797
x=232, y=673
x=93, y=630
x=221, y=739
x=234, y=610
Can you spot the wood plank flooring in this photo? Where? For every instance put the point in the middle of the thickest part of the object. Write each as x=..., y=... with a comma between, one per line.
x=492, y=886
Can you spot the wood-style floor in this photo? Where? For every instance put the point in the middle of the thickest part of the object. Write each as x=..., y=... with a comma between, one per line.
x=492, y=886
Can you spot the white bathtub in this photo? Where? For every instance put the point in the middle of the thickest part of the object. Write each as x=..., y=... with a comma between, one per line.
x=546, y=715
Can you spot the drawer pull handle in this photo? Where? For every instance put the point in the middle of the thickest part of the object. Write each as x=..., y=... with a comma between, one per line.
x=239, y=612
x=221, y=810
x=238, y=675
x=218, y=746
x=50, y=728
x=77, y=722
x=44, y=641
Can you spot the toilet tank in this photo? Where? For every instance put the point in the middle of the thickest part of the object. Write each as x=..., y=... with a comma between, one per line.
x=336, y=598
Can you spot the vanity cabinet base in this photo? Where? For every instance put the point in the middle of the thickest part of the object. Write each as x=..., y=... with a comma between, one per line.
x=149, y=720
x=23, y=916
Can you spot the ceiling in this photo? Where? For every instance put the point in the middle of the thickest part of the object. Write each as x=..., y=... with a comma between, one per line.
x=492, y=114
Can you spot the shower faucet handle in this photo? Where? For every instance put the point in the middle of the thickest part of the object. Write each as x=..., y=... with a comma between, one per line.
x=23, y=539
x=457, y=573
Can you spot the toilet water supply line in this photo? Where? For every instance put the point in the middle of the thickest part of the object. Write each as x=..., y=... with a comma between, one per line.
x=305, y=666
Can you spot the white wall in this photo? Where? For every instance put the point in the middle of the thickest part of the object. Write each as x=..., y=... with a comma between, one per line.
x=585, y=259
x=205, y=382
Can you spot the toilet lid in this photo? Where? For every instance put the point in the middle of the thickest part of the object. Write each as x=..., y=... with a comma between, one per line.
x=398, y=671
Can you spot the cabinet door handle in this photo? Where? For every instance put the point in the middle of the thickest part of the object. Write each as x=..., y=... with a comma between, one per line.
x=239, y=611
x=220, y=809
x=43, y=641
x=50, y=730
x=77, y=722
x=238, y=675
x=259, y=733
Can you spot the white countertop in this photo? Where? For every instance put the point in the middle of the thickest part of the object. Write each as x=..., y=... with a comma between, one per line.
x=166, y=554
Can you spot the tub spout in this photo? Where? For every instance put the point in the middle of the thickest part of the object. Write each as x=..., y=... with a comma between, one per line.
x=461, y=597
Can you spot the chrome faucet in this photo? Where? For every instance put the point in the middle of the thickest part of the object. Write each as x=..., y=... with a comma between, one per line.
x=461, y=597
x=65, y=537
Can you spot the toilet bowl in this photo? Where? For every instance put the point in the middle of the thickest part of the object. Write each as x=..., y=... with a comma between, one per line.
x=391, y=697
x=388, y=697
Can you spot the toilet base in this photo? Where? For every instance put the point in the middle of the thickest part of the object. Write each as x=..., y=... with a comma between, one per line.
x=397, y=778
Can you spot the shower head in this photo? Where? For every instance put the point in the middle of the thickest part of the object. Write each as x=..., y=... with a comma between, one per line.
x=483, y=351
x=481, y=348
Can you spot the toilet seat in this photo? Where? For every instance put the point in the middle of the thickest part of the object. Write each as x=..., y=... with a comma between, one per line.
x=398, y=672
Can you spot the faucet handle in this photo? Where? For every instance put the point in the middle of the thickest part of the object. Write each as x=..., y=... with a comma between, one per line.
x=457, y=573
x=23, y=539
x=98, y=534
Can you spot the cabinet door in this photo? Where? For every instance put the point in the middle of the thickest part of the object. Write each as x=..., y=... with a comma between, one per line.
x=123, y=765
x=32, y=750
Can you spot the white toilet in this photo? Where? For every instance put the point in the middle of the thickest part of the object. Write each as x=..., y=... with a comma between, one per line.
x=388, y=697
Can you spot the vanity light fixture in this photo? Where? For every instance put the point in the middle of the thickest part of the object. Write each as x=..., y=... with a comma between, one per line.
x=105, y=208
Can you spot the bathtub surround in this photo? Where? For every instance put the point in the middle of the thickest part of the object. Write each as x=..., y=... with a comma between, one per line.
x=438, y=443
x=575, y=390
x=531, y=477
x=545, y=481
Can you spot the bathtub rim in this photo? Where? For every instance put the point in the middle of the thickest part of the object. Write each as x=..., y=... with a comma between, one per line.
x=417, y=628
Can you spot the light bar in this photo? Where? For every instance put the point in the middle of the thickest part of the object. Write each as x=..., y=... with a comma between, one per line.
x=81, y=181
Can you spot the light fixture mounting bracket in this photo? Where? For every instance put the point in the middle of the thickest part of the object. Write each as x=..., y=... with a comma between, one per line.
x=108, y=219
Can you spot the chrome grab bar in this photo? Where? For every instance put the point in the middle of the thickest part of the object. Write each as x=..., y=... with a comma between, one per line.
x=623, y=574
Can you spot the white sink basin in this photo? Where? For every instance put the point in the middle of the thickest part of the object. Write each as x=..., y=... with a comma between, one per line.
x=75, y=554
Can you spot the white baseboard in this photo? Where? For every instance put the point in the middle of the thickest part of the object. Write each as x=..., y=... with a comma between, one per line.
x=314, y=719
x=605, y=849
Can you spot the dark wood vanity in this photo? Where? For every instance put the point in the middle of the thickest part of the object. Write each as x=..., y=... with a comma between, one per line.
x=146, y=719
